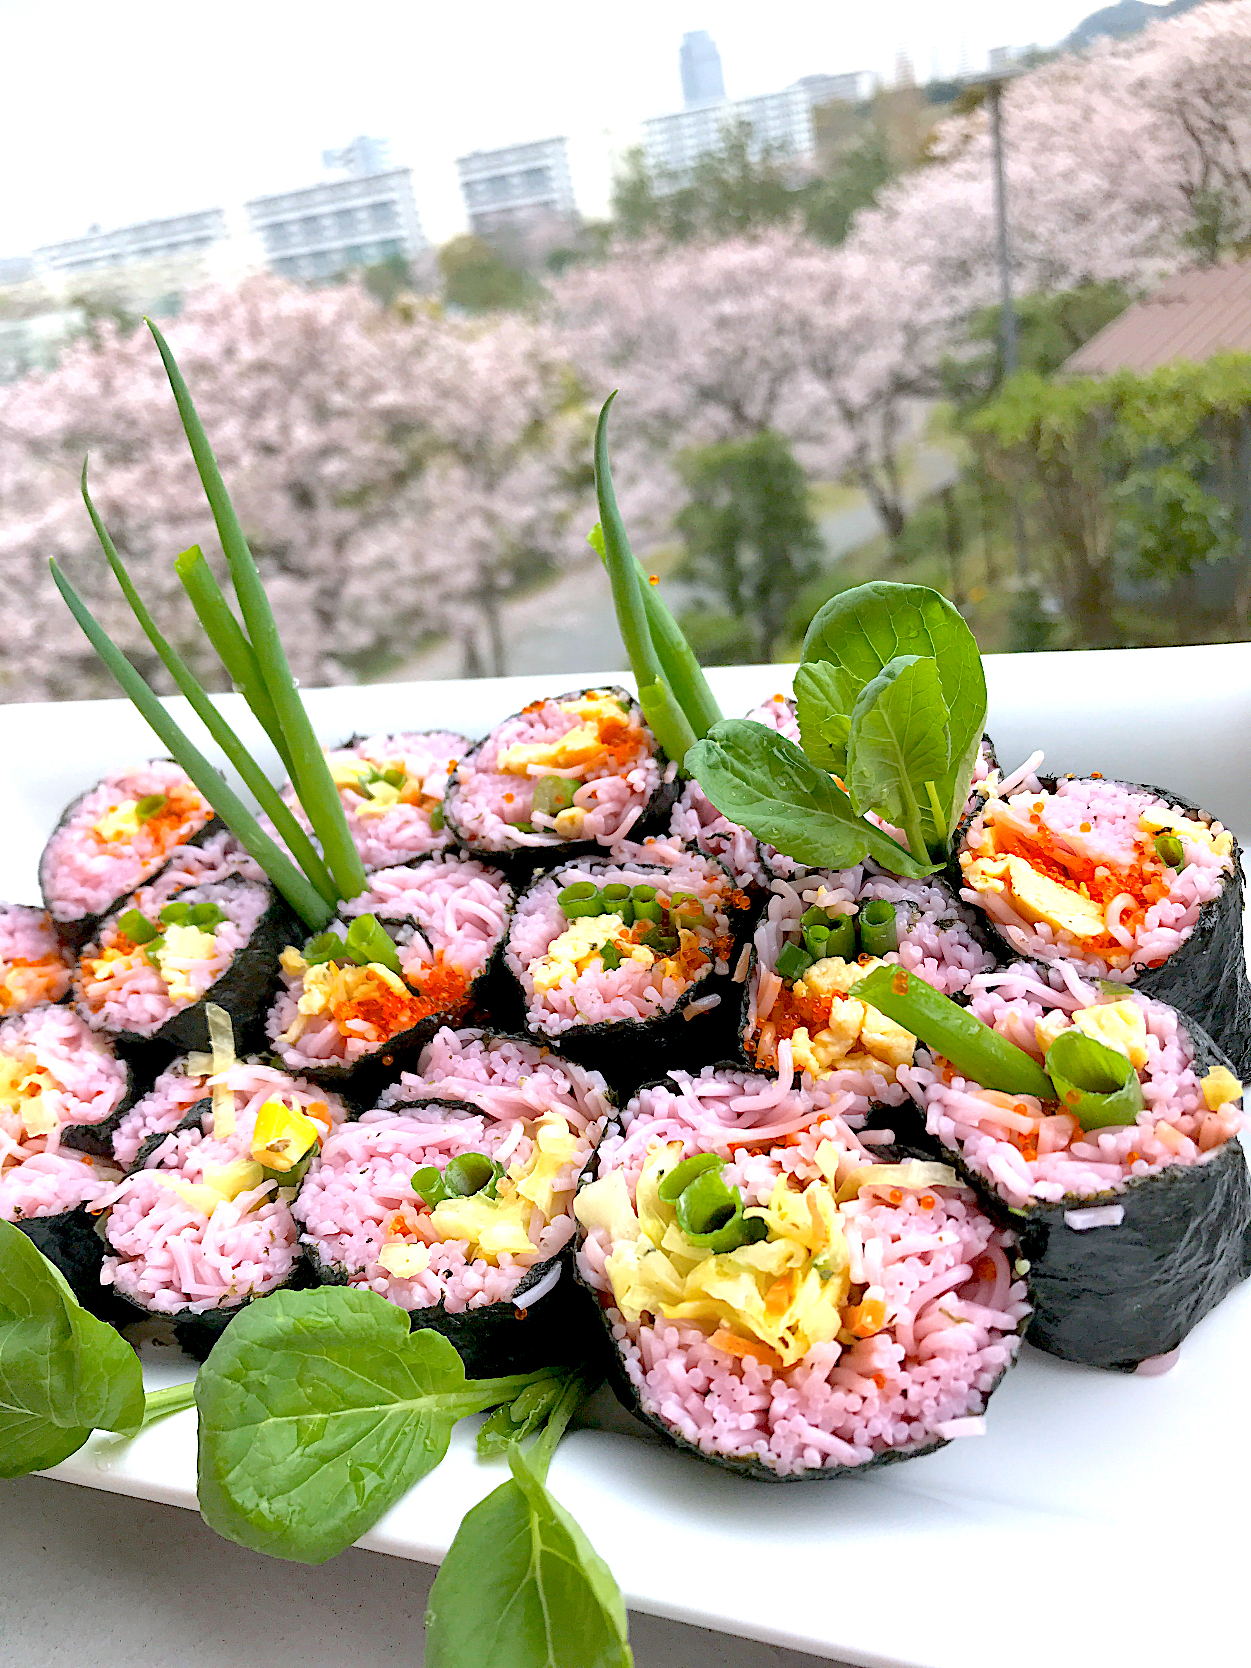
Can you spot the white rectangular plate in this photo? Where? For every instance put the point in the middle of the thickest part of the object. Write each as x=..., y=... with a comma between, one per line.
x=1099, y=1519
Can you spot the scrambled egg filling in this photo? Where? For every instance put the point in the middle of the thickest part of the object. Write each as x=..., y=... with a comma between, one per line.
x=500, y=1226
x=1119, y=1025
x=23, y=1084
x=604, y=725
x=217, y=1187
x=854, y=1036
x=1220, y=1087
x=119, y=822
x=172, y=956
x=578, y=948
x=375, y=798
x=1070, y=894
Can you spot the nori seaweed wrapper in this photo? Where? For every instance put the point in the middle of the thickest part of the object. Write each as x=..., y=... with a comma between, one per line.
x=98, y=1138
x=243, y=989
x=520, y=862
x=76, y=932
x=70, y=1240
x=1207, y=973
x=751, y=1466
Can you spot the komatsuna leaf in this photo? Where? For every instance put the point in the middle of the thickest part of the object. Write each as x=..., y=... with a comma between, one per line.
x=862, y=630
x=824, y=697
x=63, y=1373
x=318, y=1410
x=759, y=779
x=897, y=740
x=522, y=1587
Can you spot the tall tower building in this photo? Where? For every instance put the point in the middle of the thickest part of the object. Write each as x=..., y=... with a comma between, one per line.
x=702, y=81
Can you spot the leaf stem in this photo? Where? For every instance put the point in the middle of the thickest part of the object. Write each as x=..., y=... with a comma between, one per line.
x=298, y=890
x=939, y=815
x=310, y=773
x=159, y=1404
x=267, y=796
x=572, y=1397
x=227, y=637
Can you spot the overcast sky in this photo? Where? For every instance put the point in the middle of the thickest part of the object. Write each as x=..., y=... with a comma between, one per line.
x=128, y=109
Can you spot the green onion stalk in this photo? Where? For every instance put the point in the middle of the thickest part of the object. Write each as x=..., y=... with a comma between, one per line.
x=313, y=882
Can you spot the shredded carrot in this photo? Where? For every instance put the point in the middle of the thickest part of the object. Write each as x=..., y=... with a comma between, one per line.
x=731, y=1344
x=778, y=1297
x=862, y=1320
x=880, y=1380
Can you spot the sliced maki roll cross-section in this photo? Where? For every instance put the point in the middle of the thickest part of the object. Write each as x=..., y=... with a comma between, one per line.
x=1125, y=882
x=62, y=1091
x=1112, y=1150
x=114, y=838
x=788, y=1307
x=559, y=779
x=821, y=932
x=35, y=965
x=413, y=952
x=204, y=1223
x=459, y=1209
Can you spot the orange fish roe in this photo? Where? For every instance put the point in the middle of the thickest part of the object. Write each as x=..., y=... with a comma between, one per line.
x=927, y=1201
x=1142, y=880
x=183, y=812
x=984, y=1268
x=385, y=1012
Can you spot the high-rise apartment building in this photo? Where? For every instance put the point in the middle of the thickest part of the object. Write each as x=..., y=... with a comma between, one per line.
x=700, y=63
x=320, y=230
x=777, y=121
x=520, y=188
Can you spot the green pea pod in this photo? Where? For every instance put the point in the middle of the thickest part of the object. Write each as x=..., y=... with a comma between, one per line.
x=1097, y=1084
x=137, y=927
x=684, y=1173
x=368, y=941
x=945, y=1028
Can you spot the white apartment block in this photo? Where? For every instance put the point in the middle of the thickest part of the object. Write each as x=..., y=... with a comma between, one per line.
x=778, y=121
x=518, y=188
x=176, y=238
x=324, y=229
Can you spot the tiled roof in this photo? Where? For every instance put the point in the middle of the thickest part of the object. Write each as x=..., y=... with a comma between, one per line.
x=1194, y=315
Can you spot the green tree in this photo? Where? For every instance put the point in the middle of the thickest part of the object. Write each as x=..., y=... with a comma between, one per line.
x=728, y=192
x=1050, y=327
x=478, y=279
x=832, y=201
x=749, y=534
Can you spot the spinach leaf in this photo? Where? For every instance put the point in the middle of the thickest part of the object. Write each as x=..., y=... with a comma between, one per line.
x=318, y=1409
x=897, y=741
x=63, y=1373
x=759, y=779
x=521, y=1586
x=824, y=697
x=861, y=631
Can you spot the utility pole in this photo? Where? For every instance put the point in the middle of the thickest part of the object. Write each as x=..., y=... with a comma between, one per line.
x=1007, y=311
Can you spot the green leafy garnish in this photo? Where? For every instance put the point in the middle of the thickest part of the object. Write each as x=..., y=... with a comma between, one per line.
x=1097, y=1084
x=63, y=1373
x=318, y=1410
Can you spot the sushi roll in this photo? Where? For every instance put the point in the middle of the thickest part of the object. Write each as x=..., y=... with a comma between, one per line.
x=61, y=1091
x=204, y=1223
x=415, y=951
x=35, y=966
x=623, y=965
x=392, y=789
x=821, y=932
x=453, y=1200
x=156, y=963
x=778, y=1299
x=1125, y=882
x=114, y=838
x=562, y=778
x=1132, y=1203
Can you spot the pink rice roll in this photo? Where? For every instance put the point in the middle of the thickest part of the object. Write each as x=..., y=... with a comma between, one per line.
x=446, y=916
x=867, y=1319
x=1132, y=1231
x=590, y=758
x=938, y=938
x=1124, y=881
x=115, y=838
x=196, y=1229
x=155, y=990
x=35, y=964
x=392, y=788
x=491, y=1271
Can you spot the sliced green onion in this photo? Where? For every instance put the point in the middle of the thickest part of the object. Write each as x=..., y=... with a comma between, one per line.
x=150, y=806
x=814, y=916
x=945, y=1028
x=842, y=939
x=610, y=955
x=879, y=933
x=816, y=942
x=1169, y=849
x=437, y=818
x=793, y=962
x=470, y=1173
x=644, y=903
x=581, y=899
x=152, y=949
x=204, y=915
x=310, y=772
x=233, y=649
x=428, y=1186
x=368, y=941
x=136, y=926
x=553, y=794
x=394, y=778
x=657, y=939
x=677, y=1180
x=255, y=779
x=617, y=898
x=1097, y=1084
x=175, y=912
x=327, y=946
